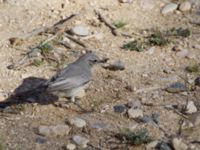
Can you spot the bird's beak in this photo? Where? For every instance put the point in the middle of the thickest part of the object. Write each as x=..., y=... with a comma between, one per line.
x=103, y=60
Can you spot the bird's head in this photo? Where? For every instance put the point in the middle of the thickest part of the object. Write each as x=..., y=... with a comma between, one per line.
x=90, y=57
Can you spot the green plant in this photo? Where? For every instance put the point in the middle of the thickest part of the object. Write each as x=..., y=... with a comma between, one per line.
x=45, y=48
x=192, y=68
x=158, y=39
x=37, y=62
x=183, y=32
x=178, y=32
x=134, y=138
x=120, y=24
x=134, y=46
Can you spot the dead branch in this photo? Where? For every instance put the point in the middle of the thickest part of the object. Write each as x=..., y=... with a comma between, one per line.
x=75, y=40
x=107, y=23
x=111, y=26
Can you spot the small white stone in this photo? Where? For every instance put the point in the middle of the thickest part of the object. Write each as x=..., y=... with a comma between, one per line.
x=178, y=144
x=80, y=30
x=135, y=113
x=80, y=140
x=151, y=145
x=71, y=146
x=169, y=8
x=191, y=108
x=58, y=130
x=78, y=122
x=185, y=6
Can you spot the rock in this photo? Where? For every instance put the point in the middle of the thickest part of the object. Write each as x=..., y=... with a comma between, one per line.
x=190, y=107
x=169, y=8
x=135, y=113
x=119, y=108
x=197, y=81
x=118, y=65
x=58, y=130
x=178, y=144
x=195, y=119
x=176, y=88
x=41, y=140
x=80, y=30
x=154, y=117
x=186, y=125
x=146, y=119
x=99, y=125
x=134, y=104
x=78, y=122
x=163, y=146
x=80, y=140
x=185, y=6
x=151, y=145
x=132, y=126
x=71, y=146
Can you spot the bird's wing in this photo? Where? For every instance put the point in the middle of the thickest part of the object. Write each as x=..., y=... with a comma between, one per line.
x=70, y=77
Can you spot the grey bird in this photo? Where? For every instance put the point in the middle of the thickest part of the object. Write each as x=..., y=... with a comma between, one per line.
x=71, y=81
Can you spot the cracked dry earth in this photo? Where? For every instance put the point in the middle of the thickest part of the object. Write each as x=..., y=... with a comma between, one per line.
x=146, y=73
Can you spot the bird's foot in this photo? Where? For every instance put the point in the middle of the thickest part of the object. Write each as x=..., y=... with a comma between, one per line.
x=62, y=104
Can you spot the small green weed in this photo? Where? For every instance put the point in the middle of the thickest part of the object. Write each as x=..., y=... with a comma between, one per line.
x=46, y=48
x=192, y=68
x=37, y=62
x=120, y=24
x=134, y=138
x=158, y=39
x=134, y=46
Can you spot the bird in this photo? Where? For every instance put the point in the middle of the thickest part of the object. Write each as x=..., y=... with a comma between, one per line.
x=72, y=80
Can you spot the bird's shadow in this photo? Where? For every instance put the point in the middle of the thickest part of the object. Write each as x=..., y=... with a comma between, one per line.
x=27, y=93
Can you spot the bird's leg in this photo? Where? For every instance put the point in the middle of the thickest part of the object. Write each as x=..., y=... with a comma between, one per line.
x=73, y=99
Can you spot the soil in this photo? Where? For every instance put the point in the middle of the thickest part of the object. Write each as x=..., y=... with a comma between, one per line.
x=146, y=73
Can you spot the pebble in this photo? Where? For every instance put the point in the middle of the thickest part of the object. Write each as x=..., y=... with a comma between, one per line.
x=80, y=30
x=134, y=104
x=185, y=6
x=132, y=126
x=176, y=88
x=186, y=125
x=99, y=125
x=154, y=117
x=41, y=140
x=71, y=146
x=178, y=144
x=163, y=146
x=191, y=108
x=197, y=81
x=135, y=113
x=195, y=119
x=119, y=108
x=80, y=140
x=58, y=130
x=169, y=8
x=78, y=122
x=118, y=65
x=151, y=145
